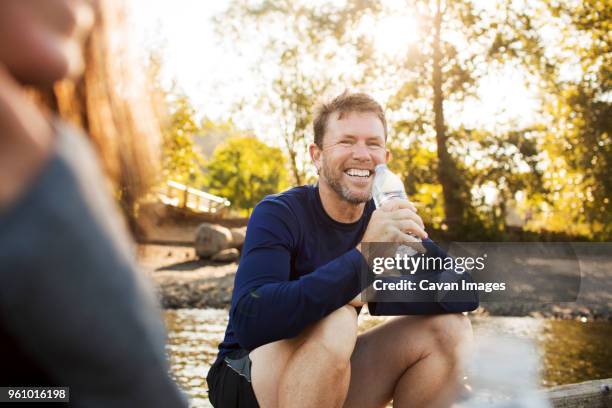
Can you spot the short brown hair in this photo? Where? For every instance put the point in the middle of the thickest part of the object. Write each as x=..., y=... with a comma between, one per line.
x=344, y=103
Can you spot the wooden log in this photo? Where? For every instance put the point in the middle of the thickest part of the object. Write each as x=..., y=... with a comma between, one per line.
x=588, y=394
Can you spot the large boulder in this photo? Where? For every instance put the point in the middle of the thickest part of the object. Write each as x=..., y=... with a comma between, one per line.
x=227, y=255
x=238, y=235
x=210, y=239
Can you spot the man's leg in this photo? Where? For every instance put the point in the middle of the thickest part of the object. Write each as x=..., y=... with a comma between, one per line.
x=413, y=360
x=310, y=370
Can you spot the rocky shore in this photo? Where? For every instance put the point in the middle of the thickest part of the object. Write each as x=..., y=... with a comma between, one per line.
x=185, y=281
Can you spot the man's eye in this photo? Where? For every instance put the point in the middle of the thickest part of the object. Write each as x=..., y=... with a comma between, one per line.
x=346, y=143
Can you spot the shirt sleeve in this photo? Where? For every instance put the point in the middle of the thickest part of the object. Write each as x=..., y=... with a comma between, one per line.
x=267, y=305
x=430, y=301
x=71, y=297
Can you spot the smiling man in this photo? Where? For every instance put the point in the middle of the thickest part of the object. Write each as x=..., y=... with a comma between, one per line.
x=291, y=340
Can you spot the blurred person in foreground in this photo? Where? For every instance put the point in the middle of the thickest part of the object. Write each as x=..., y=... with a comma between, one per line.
x=291, y=340
x=74, y=310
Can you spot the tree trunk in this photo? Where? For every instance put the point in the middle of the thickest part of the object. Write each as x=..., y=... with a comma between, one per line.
x=297, y=177
x=448, y=174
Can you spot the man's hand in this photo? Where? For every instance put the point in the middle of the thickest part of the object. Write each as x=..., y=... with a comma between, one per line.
x=396, y=221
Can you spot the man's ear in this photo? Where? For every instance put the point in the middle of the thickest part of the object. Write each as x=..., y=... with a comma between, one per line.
x=315, y=155
x=388, y=155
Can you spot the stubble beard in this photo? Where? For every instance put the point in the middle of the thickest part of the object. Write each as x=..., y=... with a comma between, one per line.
x=333, y=177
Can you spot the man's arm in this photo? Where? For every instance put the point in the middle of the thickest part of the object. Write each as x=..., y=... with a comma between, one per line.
x=267, y=306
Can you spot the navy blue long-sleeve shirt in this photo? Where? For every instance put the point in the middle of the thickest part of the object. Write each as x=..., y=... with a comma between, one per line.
x=297, y=266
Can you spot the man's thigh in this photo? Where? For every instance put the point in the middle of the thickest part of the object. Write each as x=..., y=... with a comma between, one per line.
x=382, y=355
x=268, y=364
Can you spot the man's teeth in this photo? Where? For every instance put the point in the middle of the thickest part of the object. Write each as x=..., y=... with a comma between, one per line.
x=358, y=172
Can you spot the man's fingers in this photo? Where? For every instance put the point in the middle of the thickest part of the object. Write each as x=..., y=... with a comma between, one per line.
x=410, y=226
x=407, y=214
x=414, y=243
x=396, y=204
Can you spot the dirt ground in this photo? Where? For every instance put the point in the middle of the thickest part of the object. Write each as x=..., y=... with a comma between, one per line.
x=184, y=281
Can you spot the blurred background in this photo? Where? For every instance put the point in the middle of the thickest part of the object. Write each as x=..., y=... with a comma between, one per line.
x=500, y=111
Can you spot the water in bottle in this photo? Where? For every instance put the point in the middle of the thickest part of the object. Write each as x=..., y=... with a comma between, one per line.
x=386, y=186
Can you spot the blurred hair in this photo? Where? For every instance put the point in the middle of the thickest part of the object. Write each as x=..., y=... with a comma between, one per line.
x=344, y=103
x=111, y=102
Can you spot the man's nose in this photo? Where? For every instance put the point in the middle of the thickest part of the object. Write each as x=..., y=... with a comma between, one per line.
x=361, y=152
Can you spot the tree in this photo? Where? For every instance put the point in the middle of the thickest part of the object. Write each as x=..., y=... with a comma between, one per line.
x=559, y=163
x=212, y=133
x=308, y=39
x=443, y=68
x=582, y=112
x=299, y=51
x=245, y=170
x=417, y=165
x=181, y=160
x=575, y=75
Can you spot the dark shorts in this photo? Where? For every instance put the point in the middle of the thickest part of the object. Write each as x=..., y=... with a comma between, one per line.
x=229, y=382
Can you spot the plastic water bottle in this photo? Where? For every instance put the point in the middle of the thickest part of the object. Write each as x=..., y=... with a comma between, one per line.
x=387, y=185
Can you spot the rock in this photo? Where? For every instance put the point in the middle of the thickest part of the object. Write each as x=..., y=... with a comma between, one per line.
x=238, y=235
x=227, y=255
x=210, y=239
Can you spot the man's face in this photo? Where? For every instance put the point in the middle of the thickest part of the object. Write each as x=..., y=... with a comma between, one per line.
x=352, y=147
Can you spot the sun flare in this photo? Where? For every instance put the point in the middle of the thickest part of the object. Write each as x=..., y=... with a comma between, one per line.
x=392, y=33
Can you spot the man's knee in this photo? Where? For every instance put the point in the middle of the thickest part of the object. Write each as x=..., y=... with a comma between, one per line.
x=450, y=332
x=335, y=335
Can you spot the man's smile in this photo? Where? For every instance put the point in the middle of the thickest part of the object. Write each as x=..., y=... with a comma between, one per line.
x=359, y=178
x=362, y=173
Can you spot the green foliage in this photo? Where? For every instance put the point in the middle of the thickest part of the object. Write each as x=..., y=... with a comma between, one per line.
x=555, y=172
x=444, y=67
x=587, y=127
x=297, y=49
x=245, y=170
x=212, y=133
x=560, y=166
x=181, y=159
x=417, y=165
x=577, y=126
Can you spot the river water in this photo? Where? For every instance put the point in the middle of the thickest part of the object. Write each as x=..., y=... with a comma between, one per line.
x=570, y=351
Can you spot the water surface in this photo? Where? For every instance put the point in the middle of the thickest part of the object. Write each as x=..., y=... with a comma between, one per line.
x=571, y=351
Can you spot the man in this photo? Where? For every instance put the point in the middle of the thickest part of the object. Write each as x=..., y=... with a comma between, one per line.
x=292, y=336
